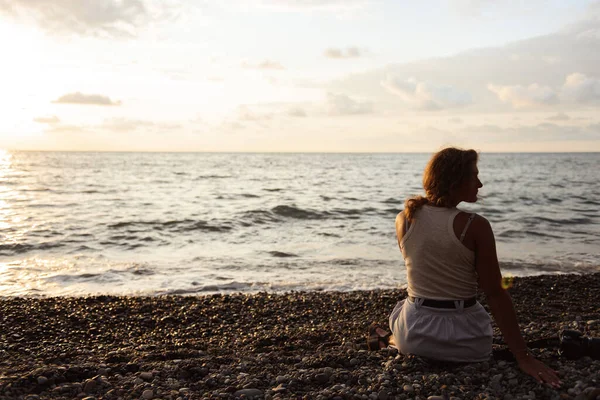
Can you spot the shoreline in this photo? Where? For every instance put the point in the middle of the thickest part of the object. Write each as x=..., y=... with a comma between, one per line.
x=273, y=345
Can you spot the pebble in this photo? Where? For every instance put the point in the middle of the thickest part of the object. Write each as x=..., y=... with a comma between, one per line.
x=89, y=386
x=147, y=376
x=249, y=393
x=148, y=394
x=42, y=380
x=279, y=389
x=251, y=351
x=383, y=395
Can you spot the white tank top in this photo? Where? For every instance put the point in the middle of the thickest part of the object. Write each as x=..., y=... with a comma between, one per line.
x=438, y=265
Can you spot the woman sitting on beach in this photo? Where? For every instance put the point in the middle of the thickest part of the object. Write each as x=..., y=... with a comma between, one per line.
x=448, y=254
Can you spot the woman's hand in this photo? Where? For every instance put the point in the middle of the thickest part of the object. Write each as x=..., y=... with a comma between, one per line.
x=538, y=370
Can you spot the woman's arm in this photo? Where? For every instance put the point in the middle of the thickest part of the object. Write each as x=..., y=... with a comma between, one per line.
x=490, y=281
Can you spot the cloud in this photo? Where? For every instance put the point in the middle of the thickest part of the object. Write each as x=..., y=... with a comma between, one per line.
x=112, y=125
x=577, y=88
x=525, y=96
x=559, y=117
x=267, y=64
x=87, y=99
x=47, y=120
x=310, y=5
x=245, y=113
x=126, y=125
x=580, y=88
x=545, y=131
x=545, y=60
x=87, y=17
x=296, y=112
x=341, y=104
x=426, y=96
x=65, y=128
x=350, y=52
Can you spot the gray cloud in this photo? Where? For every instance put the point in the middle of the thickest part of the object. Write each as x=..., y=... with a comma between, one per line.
x=581, y=88
x=267, y=64
x=426, y=96
x=47, y=120
x=350, y=52
x=559, y=117
x=87, y=99
x=525, y=96
x=545, y=131
x=341, y=104
x=86, y=17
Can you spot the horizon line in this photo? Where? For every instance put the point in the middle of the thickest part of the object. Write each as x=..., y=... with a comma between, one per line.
x=290, y=152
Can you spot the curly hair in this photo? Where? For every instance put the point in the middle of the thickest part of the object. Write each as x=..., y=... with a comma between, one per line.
x=446, y=170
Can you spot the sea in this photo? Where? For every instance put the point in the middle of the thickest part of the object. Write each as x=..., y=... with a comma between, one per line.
x=88, y=223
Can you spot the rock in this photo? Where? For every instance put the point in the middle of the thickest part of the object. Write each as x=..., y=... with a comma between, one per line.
x=408, y=388
x=148, y=394
x=89, y=386
x=322, y=378
x=42, y=380
x=279, y=389
x=281, y=379
x=147, y=376
x=435, y=398
x=383, y=395
x=250, y=393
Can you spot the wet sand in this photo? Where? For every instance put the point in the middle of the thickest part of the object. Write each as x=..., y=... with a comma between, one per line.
x=307, y=345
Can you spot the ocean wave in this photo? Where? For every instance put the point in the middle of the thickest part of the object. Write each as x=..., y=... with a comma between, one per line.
x=298, y=213
x=519, y=233
x=202, y=177
x=11, y=249
x=281, y=254
x=557, y=221
x=175, y=226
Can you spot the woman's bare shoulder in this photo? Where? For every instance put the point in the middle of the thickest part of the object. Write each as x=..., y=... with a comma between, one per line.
x=481, y=224
x=400, y=217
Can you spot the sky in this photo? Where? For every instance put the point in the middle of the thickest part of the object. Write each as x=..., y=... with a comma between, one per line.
x=300, y=75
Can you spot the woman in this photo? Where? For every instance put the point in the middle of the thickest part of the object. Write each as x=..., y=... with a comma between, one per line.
x=449, y=254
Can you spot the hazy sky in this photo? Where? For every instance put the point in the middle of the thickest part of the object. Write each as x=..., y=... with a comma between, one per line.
x=300, y=75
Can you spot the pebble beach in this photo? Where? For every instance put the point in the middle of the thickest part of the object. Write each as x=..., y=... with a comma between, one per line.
x=296, y=345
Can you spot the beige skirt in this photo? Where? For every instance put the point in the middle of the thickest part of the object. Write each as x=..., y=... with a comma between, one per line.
x=460, y=335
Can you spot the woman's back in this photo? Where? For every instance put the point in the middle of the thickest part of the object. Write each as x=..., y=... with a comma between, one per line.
x=438, y=265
